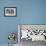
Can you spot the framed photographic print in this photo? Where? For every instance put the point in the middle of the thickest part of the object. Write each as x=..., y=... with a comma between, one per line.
x=10, y=11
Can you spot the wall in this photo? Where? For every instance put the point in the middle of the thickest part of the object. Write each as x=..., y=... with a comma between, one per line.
x=28, y=12
x=8, y=24
x=33, y=12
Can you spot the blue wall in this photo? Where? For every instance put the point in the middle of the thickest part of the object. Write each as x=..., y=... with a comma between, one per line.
x=28, y=12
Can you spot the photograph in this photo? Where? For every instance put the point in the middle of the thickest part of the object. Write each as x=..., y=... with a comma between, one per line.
x=10, y=11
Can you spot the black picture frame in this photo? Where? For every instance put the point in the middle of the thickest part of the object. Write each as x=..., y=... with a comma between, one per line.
x=10, y=11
